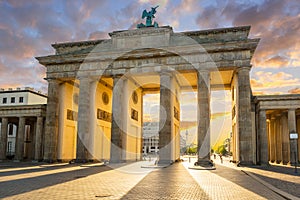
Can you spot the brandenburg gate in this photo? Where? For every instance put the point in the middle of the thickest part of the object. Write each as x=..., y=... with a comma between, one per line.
x=96, y=88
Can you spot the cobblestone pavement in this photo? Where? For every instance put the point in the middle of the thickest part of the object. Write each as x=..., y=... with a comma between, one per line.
x=281, y=177
x=69, y=181
x=72, y=181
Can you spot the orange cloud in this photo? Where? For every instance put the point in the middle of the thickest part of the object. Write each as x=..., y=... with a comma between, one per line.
x=295, y=91
x=275, y=62
x=264, y=81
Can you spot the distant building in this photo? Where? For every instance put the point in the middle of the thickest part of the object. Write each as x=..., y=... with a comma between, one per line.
x=22, y=115
x=150, y=137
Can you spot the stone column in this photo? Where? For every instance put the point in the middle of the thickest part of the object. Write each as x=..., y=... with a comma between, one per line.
x=203, y=117
x=51, y=127
x=20, y=139
x=116, y=126
x=93, y=121
x=278, y=139
x=292, y=129
x=298, y=131
x=32, y=139
x=83, y=133
x=263, y=138
x=142, y=123
x=38, y=139
x=244, y=121
x=285, y=139
x=234, y=150
x=272, y=139
x=165, y=119
x=3, y=139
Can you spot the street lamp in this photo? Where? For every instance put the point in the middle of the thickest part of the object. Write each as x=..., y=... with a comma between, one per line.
x=294, y=139
x=186, y=138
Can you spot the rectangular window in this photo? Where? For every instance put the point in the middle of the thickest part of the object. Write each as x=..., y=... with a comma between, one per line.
x=103, y=115
x=72, y=115
x=134, y=114
x=10, y=129
x=4, y=100
x=21, y=99
x=12, y=100
x=9, y=147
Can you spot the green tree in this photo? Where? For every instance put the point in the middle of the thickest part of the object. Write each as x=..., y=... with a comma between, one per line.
x=222, y=150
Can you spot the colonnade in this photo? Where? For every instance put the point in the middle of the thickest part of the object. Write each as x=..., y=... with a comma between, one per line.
x=27, y=144
x=274, y=128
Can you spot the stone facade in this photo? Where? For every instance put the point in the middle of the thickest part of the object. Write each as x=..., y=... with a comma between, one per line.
x=22, y=124
x=148, y=59
x=277, y=116
x=95, y=99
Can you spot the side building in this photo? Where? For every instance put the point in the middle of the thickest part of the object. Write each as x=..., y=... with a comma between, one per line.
x=22, y=116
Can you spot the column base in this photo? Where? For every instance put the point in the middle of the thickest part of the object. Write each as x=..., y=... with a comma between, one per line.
x=49, y=160
x=285, y=162
x=82, y=161
x=203, y=165
x=279, y=162
x=245, y=163
x=165, y=162
x=264, y=164
x=37, y=160
x=116, y=161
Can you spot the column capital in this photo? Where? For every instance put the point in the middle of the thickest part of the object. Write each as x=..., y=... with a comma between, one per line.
x=87, y=80
x=272, y=117
x=4, y=118
x=118, y=76
x=237, y=70
x=166, y=73
x=203, y=70
x=54, y=80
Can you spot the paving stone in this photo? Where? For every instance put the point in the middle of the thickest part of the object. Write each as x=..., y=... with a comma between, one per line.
x=129, y=181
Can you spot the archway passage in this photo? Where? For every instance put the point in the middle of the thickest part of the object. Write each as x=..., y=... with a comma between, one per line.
x=138, y=61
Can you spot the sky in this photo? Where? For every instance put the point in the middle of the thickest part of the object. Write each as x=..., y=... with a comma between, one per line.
x=29, y=27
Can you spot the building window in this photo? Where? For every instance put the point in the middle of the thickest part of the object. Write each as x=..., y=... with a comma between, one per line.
x=21, y=99
x=12, y=100
x=9, y=148
x=10, y=129
x=4, y=100
x=72, y=115
x=103, y=115
x=134, y=114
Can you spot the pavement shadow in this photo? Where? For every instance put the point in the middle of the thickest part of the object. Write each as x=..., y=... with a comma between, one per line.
x=287, y=186
x=278, y=169
x=39, y=168
x=15, y=187
x=173, y=182
x=243, y=180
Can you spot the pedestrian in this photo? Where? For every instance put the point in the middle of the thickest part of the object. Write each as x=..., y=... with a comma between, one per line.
x=221, y=158
x=214, y=156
